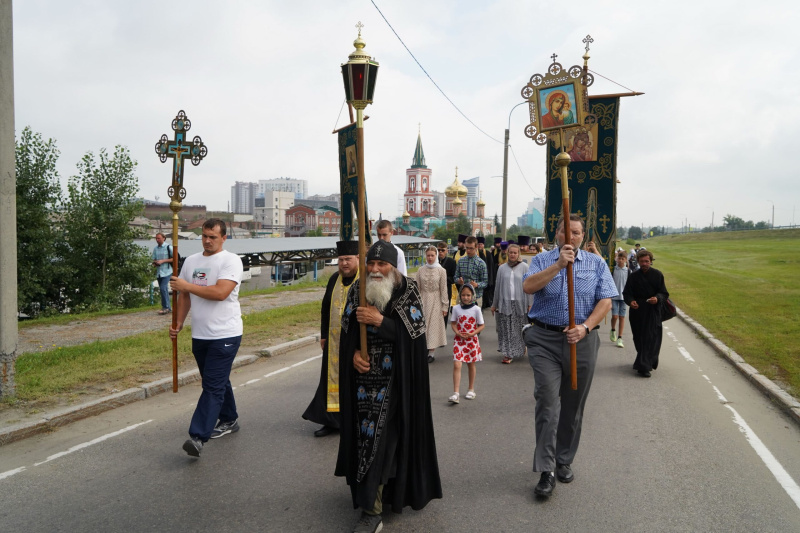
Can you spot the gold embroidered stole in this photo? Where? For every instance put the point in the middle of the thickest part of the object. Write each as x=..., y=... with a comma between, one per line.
x=338, y=303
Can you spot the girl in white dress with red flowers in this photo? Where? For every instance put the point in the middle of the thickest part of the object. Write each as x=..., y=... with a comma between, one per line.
x=467, y=321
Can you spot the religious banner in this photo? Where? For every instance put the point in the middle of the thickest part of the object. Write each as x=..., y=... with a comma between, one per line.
x=348, y=174
x=592, y=176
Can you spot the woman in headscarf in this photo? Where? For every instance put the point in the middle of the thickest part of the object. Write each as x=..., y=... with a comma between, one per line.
x=511, y=305
x=644, y=292
x=431, y=279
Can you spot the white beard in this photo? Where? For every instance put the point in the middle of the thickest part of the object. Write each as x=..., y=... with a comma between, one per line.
x=379, y=289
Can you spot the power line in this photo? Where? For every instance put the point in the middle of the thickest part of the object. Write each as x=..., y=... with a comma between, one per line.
x=520, y=170
x=429, y=76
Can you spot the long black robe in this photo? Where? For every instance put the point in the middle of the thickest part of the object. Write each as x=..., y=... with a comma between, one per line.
x=646, y=321
x=317, y=410
x=405, y=462
x=488, y=292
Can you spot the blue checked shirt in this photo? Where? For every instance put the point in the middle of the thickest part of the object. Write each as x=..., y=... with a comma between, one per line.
x=593, y=282
x=473, y=269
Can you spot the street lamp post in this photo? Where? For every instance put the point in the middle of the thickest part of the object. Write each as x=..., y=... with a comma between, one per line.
x=505, y=171
x=359, y=75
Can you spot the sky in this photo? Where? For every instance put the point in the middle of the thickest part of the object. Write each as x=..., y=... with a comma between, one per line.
x=260, y=81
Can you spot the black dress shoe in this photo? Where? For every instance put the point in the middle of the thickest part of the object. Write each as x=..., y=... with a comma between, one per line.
x=644, y=373
x=431, y=359
x=564, y=473
x=546, y=485
x=324, y=430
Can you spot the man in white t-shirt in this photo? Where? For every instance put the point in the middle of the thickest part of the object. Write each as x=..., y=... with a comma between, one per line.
x=384, y=230
x=209, y=284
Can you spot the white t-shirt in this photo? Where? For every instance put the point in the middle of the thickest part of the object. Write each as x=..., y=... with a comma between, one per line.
x=212, y=319
x=401, y=260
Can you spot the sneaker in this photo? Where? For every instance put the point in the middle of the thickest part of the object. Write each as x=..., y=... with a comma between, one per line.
x=193, y=447
x=368, y=523
x=619, y=343
x=223, y=428
x=470, y=395
x=613, y=336
x=453, y=398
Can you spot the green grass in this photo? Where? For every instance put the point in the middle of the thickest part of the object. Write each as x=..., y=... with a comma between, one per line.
x=744, y=288
x=122, y=363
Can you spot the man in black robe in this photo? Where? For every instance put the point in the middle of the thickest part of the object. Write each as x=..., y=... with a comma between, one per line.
x=387, y=450
x=324, y=407
x=644, y=292
x=488, y=292
x=449, y=266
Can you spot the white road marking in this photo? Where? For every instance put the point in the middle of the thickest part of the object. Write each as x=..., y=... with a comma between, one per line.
x=77, y=447
x=783, y=477
x=11, y=472
x=92, y=442
x=773, y=465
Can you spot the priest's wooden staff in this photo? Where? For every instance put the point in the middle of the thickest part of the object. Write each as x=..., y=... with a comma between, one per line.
x=359, y=75
x=178, y=150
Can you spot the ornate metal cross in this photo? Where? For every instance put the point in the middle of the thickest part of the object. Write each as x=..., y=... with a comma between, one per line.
x=553, y=57
x=178, y=150
x=587, y=41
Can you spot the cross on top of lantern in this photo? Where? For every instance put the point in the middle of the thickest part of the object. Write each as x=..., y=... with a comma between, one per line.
x=178, y=150
x=559, y=99
x=359, y=74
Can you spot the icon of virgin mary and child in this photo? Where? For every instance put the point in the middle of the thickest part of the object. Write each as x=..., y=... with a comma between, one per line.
x=558, y=110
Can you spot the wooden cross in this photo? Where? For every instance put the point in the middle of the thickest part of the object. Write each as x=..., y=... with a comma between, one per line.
x=604, y=220
x=178, y=150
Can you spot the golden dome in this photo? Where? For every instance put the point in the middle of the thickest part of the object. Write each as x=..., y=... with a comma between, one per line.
x=456, y=189
x=406, y=214
x=457, y=201
x=481, y=203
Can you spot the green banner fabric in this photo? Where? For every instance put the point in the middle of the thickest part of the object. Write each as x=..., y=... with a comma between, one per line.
x=348, y=173
x=592, y=177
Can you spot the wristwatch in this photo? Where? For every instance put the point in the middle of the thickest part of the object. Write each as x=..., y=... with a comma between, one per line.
x=587, y=328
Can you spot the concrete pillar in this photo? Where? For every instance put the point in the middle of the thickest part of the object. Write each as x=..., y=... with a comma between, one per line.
x=8, y=207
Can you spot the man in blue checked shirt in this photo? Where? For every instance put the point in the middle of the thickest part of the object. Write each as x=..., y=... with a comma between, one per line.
x=559, y=409
x=472, y=269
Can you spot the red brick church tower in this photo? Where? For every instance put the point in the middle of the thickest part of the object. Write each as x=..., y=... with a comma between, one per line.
x=418, y=197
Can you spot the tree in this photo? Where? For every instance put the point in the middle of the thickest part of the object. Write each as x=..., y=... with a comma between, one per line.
x=622, y=233
x=107, y=269
x=39, y=266
x=655, y=231
x=635, y=232
x=462, y=225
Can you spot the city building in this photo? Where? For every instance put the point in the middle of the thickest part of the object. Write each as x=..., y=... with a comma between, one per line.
x=473, y=186
x=534, y=214
x=418, y=197
x=272, y=214
x=297, y=187
x=243, y=197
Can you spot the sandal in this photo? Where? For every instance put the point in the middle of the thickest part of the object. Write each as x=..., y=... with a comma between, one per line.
x=507, y=360
x=453, y=398
x=163, y=312
x=470, y=395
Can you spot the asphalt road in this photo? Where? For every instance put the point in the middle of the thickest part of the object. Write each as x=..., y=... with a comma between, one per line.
x=694, y=448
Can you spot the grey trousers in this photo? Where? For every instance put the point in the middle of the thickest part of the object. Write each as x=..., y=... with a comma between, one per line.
x=559, y=409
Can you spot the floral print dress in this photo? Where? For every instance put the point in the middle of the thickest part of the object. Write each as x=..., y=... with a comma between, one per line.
x=467, y=321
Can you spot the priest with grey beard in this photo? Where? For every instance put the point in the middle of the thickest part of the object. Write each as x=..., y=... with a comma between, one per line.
x=387, y=451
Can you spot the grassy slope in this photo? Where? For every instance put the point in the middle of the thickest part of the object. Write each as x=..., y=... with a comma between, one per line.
x=743, y=287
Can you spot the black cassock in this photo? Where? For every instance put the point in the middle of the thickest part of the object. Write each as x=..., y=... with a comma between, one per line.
x=645, y=322
x=404, y=459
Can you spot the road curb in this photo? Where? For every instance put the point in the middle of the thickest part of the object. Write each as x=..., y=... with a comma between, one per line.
x=53, y=420
x=783, y=399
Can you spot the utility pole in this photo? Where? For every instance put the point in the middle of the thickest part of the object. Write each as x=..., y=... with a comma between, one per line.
x=8, y=207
